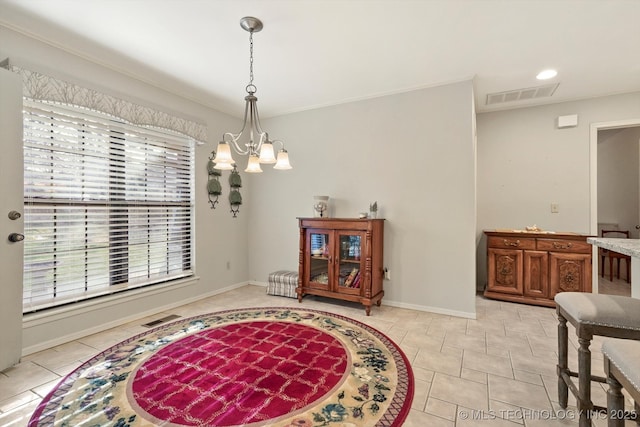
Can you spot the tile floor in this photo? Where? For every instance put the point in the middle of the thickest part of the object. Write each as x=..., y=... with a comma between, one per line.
x=615, y=287
x=499, y=367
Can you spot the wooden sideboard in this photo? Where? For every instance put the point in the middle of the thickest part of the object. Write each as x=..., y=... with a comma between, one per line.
x=532, y=267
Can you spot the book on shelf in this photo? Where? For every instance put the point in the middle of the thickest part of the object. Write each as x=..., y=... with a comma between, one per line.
x=349, y=280
x=356, y=281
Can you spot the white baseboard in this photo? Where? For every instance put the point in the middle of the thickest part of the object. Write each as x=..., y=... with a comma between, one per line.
x=428, y=309
x=437, y=310
x=263, y=284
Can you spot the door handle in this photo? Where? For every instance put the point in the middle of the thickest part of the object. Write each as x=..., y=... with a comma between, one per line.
x=16, y=237
x=13, y=215
x=637, y=227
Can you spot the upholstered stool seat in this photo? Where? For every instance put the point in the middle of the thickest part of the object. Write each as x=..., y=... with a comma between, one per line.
x=622, y=366
x=283, y=283
x=591, y=314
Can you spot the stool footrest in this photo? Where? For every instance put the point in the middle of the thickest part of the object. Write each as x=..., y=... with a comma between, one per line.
x=565, y=375
x=593, y=377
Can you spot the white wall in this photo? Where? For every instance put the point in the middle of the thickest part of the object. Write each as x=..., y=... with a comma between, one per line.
x=426, y=192
x=618, y=178
x=525, y=163
x=219, y=238
x=414, y=154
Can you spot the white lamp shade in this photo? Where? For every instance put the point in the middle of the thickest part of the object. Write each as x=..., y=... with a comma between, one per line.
x=223, y=154
x=266, y=153
x=223, y=166
x=253, y=166
x=283, y=161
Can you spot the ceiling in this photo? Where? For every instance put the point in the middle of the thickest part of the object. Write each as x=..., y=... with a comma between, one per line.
x=315, y=53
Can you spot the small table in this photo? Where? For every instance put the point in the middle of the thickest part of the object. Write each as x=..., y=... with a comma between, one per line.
x=629, y=247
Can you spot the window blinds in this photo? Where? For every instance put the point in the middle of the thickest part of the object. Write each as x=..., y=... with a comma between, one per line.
x=108, y=206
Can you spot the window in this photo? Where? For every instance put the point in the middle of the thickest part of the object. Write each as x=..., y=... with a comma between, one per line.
x=108, y=205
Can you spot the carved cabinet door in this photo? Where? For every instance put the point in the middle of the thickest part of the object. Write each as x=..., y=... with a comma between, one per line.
x=569, y=272
x=505, y=271
x=536, y=274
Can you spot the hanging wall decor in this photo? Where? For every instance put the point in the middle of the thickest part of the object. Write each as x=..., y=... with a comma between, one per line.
x=235, y=198
x=214, y=188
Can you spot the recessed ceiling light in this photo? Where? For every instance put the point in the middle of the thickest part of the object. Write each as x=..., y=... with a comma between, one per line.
x=546, y=74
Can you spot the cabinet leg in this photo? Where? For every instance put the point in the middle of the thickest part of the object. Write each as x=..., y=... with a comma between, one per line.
x=379, y=302
x=368, y=309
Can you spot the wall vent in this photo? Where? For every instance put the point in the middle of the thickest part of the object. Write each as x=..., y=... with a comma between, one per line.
x=521, y=94
x=160, y=321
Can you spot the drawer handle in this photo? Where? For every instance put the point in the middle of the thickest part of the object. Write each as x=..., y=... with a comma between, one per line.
x=508, y=243
x=561, y=246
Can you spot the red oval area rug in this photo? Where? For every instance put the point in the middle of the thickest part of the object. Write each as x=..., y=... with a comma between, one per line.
x=247, y=367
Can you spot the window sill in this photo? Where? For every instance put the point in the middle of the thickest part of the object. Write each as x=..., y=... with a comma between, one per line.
x=38, y=318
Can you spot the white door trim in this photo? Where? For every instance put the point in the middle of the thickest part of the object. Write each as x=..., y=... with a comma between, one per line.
x=593, y=183
x=12, y=196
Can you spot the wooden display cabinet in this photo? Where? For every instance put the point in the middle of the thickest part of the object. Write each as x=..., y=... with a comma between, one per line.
x=532, y=267
x=341, y=258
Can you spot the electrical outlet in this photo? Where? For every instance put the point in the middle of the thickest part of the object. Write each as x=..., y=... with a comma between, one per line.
x=555, y=208
x=387, y=274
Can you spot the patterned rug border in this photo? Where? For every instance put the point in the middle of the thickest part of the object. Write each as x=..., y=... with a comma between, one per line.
x=396, y=413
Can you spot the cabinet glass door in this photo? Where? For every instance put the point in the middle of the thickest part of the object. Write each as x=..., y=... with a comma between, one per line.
x=349, y=266
x=319, y=265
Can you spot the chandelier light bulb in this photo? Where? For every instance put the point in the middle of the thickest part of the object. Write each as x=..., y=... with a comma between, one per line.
x=253, y=166
x=266, y=153
x=283, y=160
x=224, y=166
x=223, y=154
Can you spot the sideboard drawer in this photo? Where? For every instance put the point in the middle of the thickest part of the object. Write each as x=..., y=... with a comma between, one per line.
x=560, y=245
x=511, y=243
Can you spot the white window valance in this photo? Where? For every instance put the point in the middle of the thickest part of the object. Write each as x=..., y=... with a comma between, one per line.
x=41, y=87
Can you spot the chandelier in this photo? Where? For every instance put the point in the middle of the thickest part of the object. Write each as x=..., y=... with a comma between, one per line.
x=258, y=146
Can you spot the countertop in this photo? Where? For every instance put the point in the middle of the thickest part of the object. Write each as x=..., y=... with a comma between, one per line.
x=539, y=233
x=624, y=246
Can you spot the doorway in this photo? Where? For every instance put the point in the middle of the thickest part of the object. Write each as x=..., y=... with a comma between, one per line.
x=615, y=192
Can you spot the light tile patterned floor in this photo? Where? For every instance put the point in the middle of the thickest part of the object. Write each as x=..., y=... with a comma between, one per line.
x=497, y=370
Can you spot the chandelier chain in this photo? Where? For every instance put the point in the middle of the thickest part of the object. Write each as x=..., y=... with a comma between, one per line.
x=250, y=62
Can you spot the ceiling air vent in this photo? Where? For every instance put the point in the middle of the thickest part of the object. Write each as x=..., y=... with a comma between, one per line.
x=521, y=94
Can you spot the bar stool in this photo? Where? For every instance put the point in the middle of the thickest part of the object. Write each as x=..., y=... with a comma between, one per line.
x=611, y=316
x=622, y=366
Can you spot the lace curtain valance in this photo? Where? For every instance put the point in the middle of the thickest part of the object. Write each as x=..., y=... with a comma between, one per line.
x=41, y=87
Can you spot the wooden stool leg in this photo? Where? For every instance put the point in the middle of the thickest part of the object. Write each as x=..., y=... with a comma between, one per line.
x=563, y=340
x=585, y=406
x=615, y=403
x=610, y=269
